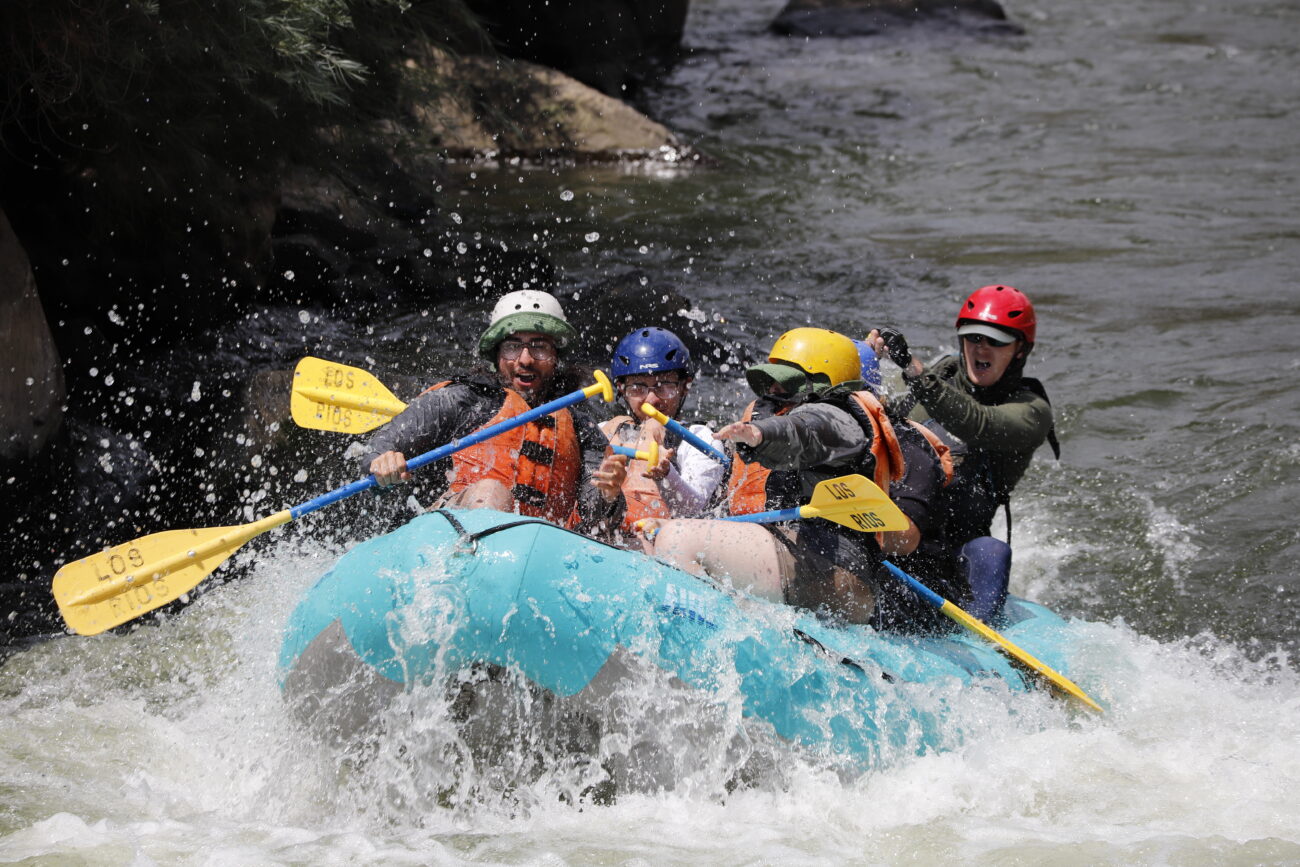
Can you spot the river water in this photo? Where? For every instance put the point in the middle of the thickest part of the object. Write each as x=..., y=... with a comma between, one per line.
x=1129, y=164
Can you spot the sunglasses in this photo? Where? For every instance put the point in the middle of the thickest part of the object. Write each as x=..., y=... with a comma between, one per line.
x=542, y=350
x=977, y=339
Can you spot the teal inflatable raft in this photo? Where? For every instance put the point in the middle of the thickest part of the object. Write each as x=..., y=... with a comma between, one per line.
x=455, y=594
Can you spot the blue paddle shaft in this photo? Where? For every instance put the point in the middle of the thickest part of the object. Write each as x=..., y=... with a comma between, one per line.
x=442, y=451
x=767, y=517
x=918, y=588
x=624, y=450
x=685, y=433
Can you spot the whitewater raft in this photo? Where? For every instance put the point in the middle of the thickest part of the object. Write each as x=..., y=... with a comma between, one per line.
x=464, y=597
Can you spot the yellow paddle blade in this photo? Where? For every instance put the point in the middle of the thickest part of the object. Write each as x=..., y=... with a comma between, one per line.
x=109, y=588
x=1055, y=678
x=856, y=502
x=335, y=397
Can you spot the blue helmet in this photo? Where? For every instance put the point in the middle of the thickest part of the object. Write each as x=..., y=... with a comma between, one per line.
x=650, y=350
x=870, y=365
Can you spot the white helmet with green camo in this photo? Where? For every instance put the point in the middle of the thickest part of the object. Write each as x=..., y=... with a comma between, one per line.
x=525, y=310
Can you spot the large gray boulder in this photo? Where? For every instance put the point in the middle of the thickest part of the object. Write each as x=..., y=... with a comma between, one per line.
x=31, y=373
x=535, y=112
x=873, y=17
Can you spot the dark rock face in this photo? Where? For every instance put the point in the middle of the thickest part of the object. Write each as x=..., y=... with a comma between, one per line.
x=31, y=375
x=369, y=231
x=872, y=17
x=611, y=45
x=607, y=310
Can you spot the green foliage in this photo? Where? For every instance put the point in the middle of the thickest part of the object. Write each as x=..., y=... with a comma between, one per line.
x=160, y=121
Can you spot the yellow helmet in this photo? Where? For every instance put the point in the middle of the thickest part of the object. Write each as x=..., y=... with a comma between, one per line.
x=817, y=350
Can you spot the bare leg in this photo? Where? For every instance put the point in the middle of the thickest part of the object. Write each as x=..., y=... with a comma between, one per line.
x=483, y=494
x=849, y=597
x=756, y=562
x=745, y=553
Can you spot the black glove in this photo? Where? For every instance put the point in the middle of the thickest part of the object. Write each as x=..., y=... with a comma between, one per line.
x=896, y=343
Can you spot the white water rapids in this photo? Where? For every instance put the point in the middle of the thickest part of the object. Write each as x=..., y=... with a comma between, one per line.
x=170, y=745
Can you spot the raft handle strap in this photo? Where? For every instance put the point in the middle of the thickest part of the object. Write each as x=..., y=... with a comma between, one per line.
x=465, y=543
x=468, y=542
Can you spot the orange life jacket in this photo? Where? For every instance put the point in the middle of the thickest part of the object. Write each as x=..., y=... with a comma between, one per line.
x=642, y=494
x=540, y=462
x=747, y=485
x=941, y=450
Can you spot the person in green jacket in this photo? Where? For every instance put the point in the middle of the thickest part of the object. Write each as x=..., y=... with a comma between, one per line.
x=992, y=416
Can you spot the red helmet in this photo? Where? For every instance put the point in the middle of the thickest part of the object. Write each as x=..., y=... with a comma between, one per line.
x=1001, y=306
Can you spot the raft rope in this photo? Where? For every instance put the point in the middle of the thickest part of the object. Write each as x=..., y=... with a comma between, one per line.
x=468, y=542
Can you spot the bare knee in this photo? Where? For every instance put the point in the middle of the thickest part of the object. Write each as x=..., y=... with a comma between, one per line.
x=744, y=554
x=683, y=544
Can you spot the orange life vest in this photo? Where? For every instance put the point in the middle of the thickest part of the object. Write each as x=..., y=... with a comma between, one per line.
x=941, y=450
x=747, y=485
x=642, y=494
x=540, y=462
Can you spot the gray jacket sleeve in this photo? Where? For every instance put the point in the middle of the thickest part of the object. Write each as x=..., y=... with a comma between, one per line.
x=431, y=420
x=810, y=435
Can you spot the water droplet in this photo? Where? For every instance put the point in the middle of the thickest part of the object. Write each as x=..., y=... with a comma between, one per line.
x=304, y=317
x=566, y=195
x=591, y=237
x=288, y=275
x=455, y=218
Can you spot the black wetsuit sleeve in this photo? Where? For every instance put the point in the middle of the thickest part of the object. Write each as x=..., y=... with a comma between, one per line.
x=810, y=435
x=433, y=419
x=918, y=493
x=596, y=515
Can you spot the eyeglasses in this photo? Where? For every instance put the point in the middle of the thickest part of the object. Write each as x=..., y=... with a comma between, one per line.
x=542, y=350
x=663, y=388
x=977, y=339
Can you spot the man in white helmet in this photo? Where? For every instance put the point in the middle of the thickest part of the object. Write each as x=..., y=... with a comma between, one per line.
x=553, y=467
